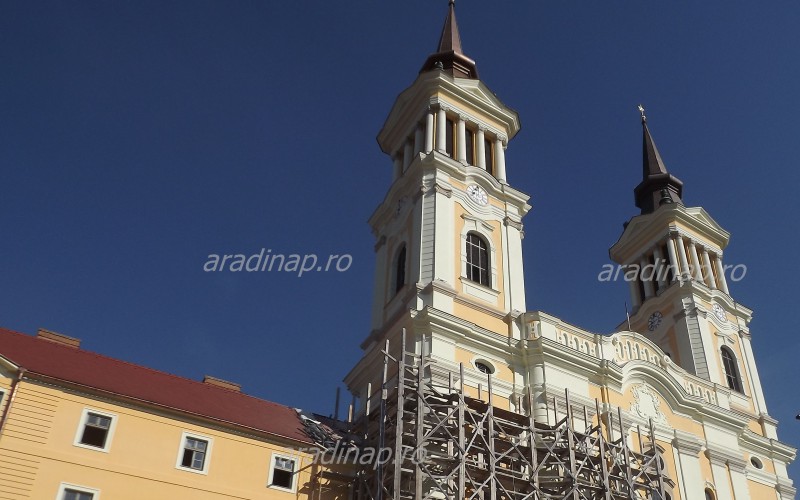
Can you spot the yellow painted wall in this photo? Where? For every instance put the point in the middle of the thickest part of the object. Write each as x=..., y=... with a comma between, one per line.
x=141, y=461
x=761, y=491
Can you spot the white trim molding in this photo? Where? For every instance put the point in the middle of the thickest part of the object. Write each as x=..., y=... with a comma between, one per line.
x=295, y=471
x=82, y=426
x=63, y=487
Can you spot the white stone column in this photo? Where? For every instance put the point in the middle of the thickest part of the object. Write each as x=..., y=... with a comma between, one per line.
x=752, y=373
x=513, y=273
x=499, y=160
x=636, y=300
x=408, y=155
x=709, y=271
x=539, y=403
x=648, y=285
x=686, y=449
x=738, y=478
x=379, y=292
x=397, y=169
x=429, y=131
x=441, y=130
x=682, y=255
x=673, y=259
x=480, y=150
x=723, y=283
x=660, y=271
x=461, y=140
x=719, y=470
x=696, y=272
x=419, y=139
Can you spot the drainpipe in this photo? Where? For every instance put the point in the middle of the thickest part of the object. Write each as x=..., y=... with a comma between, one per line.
x=14, y=385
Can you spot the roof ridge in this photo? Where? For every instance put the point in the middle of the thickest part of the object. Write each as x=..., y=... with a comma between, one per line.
x=143, y=367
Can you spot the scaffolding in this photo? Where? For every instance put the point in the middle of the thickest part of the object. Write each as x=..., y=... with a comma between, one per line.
x=447, y=445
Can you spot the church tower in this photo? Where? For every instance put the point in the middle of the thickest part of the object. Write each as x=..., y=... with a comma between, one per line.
x=673, y=255
x=449, y=231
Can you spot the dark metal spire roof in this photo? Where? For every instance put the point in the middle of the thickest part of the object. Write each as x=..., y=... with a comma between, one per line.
x=658, y=186
x=449, y=56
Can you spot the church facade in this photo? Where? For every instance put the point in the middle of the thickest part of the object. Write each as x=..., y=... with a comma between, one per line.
x=449, y=288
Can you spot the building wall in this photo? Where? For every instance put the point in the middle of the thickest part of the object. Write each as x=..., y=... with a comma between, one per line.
x=38, y=452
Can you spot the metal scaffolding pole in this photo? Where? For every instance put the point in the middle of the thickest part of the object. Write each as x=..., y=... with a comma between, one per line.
x=468, y=448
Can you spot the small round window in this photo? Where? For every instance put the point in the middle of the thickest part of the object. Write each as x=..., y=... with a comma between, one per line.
x=755, y=462
x=484, y=367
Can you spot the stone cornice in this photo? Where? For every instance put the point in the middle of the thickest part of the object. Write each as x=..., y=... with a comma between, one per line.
x=495, y=313
x=478, y=220
x=643, y=230
x=433, y=88
x=516, y=224
x=721, y=456
x=464, y=332
x=687, y=443
x=771, y=448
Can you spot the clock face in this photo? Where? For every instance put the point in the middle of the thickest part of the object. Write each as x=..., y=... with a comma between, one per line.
x=654, y=320
x=719, y=312
x=478, y=195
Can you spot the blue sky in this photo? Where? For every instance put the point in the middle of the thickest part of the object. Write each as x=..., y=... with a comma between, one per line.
x=137, y=138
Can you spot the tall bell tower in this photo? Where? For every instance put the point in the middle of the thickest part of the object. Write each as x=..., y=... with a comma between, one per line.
x=678, y=285
x=449, y=230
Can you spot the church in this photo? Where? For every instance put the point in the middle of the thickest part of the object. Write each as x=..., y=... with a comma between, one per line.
x=470, y=394
x=674, y=391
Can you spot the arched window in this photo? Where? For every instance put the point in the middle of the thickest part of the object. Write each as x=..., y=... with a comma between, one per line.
x=478, y=260
x=400, y=270
x=731, y=369
x=710, y=494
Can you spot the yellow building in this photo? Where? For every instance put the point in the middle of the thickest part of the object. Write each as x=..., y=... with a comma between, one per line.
x=80, y=426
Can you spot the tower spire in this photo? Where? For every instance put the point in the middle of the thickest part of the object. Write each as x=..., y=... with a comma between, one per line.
x=449, y=55
x=657, y=185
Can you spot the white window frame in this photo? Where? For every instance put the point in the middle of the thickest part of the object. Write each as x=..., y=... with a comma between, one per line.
x=182, y=446
x=82, y=425
x=295, y=472
x=473, y=288
x=63, y=487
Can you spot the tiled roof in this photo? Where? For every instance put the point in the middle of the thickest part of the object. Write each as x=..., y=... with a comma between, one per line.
x=77, y=366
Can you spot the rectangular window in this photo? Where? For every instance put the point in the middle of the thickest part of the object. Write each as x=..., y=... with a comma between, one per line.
x=70, y=494
x=470, y=138
x=95, y=430
x=487, y=151
x=194, y=453
x=282, y=473
x=68, y=491
x=449, y=141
